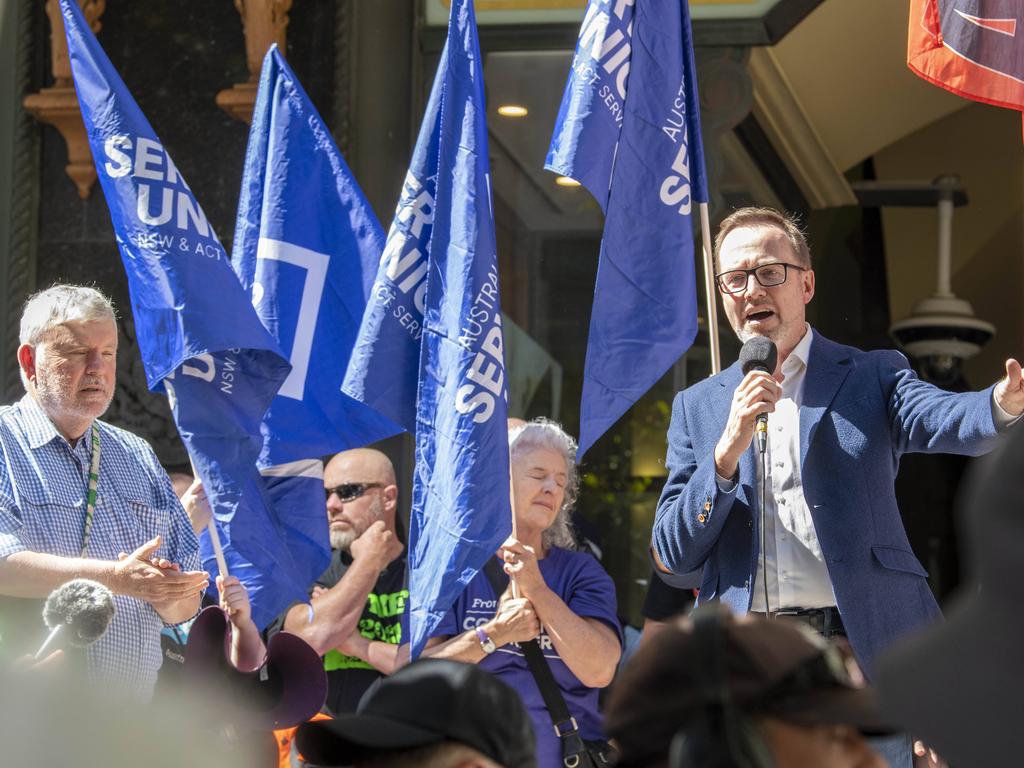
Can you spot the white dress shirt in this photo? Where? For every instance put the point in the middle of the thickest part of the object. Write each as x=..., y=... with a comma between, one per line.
x=792, y=566
x=796, y=574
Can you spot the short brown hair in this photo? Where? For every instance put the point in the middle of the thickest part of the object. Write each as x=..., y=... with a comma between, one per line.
x=765, y=217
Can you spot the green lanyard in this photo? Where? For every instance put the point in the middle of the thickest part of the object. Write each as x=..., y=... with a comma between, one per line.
x=94, y=480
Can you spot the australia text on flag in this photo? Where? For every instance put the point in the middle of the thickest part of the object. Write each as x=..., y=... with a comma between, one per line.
x=629, y=129
x=460, y=512
x=430, y=353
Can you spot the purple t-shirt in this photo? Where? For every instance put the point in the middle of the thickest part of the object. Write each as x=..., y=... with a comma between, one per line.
x=582, y=583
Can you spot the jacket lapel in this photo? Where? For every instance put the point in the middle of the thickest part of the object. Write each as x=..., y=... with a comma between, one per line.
x=827, y=367
x=728, y=379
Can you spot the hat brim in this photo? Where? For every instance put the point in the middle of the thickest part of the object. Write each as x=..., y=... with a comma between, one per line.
x=857, y=707
x=290, y=687
x=952, y=684
x=348, y=737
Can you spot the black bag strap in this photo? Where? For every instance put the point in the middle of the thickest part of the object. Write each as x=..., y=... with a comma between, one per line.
x=564, y=723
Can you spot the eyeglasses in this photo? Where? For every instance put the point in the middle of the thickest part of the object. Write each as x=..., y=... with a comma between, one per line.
x=350, y=491
x=768, y=275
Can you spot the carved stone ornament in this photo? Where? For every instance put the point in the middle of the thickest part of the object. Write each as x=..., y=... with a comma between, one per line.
x=264, y=23
x=58, y=104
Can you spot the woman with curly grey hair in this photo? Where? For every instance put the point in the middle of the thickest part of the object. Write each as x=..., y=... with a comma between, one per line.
x=566, y=599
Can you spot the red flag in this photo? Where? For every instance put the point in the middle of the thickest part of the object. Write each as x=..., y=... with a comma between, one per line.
x=974, y=48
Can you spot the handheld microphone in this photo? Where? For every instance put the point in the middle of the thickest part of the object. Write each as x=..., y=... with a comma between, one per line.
x=82, y=609
x=759, y=354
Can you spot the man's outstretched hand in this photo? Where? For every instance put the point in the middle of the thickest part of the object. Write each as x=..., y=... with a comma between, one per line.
x=1009, y=392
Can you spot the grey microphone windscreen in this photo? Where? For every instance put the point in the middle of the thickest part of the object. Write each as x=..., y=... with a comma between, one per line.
x=758, y=354
x=83, y=607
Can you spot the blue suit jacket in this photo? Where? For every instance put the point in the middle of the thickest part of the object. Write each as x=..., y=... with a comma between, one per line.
x=861, y=411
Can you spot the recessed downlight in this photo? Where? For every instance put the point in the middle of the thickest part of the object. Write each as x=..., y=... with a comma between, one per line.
x=513, y=110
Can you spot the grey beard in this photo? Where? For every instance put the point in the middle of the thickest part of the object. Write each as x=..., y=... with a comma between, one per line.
x=745, y=335
x=343, y=539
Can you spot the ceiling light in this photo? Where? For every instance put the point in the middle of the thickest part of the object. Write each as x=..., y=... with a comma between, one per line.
x=565, y=181
x=513, y=110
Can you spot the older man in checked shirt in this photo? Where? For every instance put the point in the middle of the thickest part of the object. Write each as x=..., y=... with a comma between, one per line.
x=134, y=537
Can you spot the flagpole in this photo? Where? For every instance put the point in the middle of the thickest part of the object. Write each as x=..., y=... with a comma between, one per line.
x=515, y=531
x=211, y=527
x=222, y=565
x=709, y=289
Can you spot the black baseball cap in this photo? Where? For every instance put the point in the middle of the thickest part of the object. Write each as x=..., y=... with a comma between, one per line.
x=774, y=668
x=427, y=702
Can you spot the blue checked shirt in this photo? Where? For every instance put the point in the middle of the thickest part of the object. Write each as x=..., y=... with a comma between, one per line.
x=43, y=482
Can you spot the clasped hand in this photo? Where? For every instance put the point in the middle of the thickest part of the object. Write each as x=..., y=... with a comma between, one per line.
x=155, y=580
x=522, y=567
x=515, y=621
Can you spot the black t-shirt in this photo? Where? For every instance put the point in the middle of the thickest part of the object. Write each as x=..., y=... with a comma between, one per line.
x=663, y=601
x=348, y=677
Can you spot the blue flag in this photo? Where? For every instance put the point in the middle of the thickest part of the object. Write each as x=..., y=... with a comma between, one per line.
x=461, y=511
x=306, y=247
x=629, y=129
x=383, y=371
x=200, y=339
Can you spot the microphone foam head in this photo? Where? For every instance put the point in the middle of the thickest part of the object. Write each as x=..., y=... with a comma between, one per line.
x=758, y=354
x=84, y=607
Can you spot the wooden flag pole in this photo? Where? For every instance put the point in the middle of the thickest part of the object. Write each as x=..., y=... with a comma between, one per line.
x=512, y=506
x=710, y=291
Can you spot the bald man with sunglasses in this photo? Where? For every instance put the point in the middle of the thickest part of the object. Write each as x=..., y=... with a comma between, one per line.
x=362, y=594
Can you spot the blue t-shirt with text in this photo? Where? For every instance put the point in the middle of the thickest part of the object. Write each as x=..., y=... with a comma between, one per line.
x=589, y=592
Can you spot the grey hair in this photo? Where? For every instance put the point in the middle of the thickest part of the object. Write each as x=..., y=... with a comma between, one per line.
x=544, y=433
x=61, y=304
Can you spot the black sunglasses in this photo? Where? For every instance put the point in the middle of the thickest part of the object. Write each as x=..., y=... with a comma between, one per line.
x=351, y=491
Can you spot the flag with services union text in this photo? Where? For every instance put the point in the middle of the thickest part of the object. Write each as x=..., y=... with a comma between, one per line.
x=974, y=48
x=383, y=371
x=629, y=130
x=199, y=337
x=306, y=248
x=461, y=512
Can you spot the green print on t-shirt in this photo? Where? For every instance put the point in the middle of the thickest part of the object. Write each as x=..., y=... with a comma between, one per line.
x=385, y=606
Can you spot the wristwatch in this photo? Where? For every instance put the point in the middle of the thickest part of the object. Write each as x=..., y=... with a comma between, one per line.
x=485, y=642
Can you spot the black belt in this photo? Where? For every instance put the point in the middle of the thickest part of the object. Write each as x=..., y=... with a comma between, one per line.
x=825, y=621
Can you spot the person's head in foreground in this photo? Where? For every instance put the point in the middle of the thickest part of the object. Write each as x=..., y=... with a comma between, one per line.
x=718, y=691
x=433, y=713
x=954, y=683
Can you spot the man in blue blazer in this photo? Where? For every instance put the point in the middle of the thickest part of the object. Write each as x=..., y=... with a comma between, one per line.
x=835, y=550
